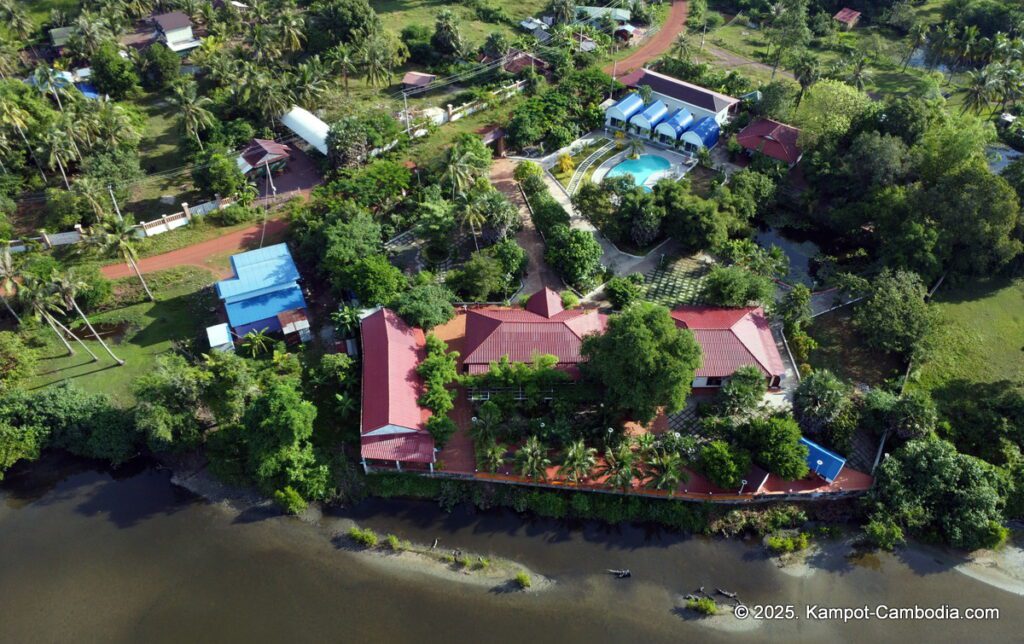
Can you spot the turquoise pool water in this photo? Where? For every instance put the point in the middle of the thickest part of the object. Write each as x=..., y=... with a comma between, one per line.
x=641, y=168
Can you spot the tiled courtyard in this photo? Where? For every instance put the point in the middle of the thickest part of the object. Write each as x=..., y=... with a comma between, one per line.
x=681, y=282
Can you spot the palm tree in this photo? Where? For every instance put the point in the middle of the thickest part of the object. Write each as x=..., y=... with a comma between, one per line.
x=8, y=273
x=10, y=59
x=859, y=74
x=290, y=28
x=666, y=471
x=43, y=301
x=342, y=60
x=475, y=217
x=5, y=149
x=636, y=148
x=978, y=90
x=532, y=459
x=310, y=83
x=644, y=444
x=58, y=149
x=917, y=37
x=619, y=467
x=263, y=44
x=256, y=342
x=579, y=461
x=46, y=79
x=564, y=11
x=67, y=287
x=117, y=237
x=192, y=109
x=682, y=47
x=458, y=170
x=12, y=114
x=378, y=57
x=492, y=456
x=112, y=125
x=807, y=71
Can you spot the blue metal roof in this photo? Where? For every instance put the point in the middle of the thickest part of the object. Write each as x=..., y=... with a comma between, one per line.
x=88, y=90
x=265, y=306
x=258, y=272
x=629, y=105
x=653, y=113
x=707, y=130
x=831, y=463
x=679, y=121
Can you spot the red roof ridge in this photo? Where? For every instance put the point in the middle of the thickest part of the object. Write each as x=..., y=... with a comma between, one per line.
x=545, y=302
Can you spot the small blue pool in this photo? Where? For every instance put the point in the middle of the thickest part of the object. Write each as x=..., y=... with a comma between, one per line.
x=641, y=168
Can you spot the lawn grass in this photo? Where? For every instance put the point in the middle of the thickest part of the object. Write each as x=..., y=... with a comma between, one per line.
x=980, y=334
x=397, y=14
x=578, y=158
x=680, y=282
x=842, y=351
x=428, y=150
x=182, y=310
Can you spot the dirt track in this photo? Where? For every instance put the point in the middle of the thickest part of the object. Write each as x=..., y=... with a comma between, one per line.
x=202, y=253
x=657, y=45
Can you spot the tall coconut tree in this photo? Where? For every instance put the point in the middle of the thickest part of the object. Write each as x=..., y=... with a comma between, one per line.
x=10, y=58
x=807, y=71
x=40, y=298
x=8, y=283
x=916, y=38
x=619, y=467
x=58, y=149
x=978, y=90
x=47, y=80
x=472, y=215
x=682, y=47
x=5, y=149
x=291, y=31
x=310, y=82
x=12, y=114
x=458, y=170
x=532, y=459
x=67, y=287
x=579, y=461
x=192, y=109
x=343, y=60
x=116, y=237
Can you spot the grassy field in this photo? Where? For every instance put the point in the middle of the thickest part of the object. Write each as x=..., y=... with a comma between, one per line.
x=396, y=14
x=980, y=336
x=844, y=353
x=428, y=150
x=136, y=332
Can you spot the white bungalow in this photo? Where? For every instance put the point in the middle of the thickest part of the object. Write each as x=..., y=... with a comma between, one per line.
x=645, y=122
x=702, y=134
x=669, y=130
x=678, y=94
x=618, y=115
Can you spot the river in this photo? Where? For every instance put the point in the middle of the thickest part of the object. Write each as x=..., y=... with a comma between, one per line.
x=89, y=556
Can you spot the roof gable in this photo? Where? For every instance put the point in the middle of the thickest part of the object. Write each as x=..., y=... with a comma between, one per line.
x=545, y=302
x=774, y=139
x=731, y=338
x=172, y=20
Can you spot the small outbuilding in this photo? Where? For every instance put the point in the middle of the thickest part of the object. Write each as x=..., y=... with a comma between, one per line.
x=219, y=337
x=176, y=31
x=847, y=18
x=823, y=462
x=260, y=154
x=669, y=130
x=307, y=127
x=417, y=80
x=702, y=134
x=645, y=122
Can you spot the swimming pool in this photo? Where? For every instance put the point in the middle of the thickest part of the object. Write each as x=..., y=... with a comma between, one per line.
x=642, y=168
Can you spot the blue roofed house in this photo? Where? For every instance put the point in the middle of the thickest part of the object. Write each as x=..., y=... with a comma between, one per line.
x=824, y=463
x=264, y=294
x=669, y=130
x=618, y=115
x=645, y=122
x=702, y=134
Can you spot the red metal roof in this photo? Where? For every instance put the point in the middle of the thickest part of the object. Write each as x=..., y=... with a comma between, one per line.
x=847, y=16
x=260, y=151
x=731, y=338
x=542, y=328
x=391, y=390
x=777, y=140
x=418, y=79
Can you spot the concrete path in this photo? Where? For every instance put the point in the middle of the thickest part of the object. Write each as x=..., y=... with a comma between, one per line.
x=538, y=273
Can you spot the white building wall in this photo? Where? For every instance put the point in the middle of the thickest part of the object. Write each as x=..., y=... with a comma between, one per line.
x=698, y=112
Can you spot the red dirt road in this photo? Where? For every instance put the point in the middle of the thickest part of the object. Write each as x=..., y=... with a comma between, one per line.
x=202, y=253
x=657, y=45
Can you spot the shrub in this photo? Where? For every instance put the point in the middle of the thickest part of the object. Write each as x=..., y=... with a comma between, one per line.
x=723, y=464
x=703, y=605
x=394, y=543
x=366, y=538
x=441, y=428
x=623, y=291
x=883, y=533
x=289, y=500
x=570, y=300
x=523, y=580
x=233, y=214
x=780, y=544
x=735, y=286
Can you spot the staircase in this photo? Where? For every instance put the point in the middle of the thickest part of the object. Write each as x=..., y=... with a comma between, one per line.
x=581, y=171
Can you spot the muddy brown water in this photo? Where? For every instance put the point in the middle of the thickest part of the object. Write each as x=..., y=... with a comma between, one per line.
x=86, y=555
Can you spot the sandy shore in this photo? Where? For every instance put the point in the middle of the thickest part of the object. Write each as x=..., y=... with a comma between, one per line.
x=725, y=621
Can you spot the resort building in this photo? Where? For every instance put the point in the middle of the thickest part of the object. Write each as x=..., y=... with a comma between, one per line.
x=772, y=139
x=264, y=294
x=393, y=424
x=679, y=114
x=544, y=326
x=175, y=29
x=730, y=339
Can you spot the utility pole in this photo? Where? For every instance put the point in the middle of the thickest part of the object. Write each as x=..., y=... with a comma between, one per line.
x=405, y=100
x=611, y=85
x=266, y=200
x=110, y=189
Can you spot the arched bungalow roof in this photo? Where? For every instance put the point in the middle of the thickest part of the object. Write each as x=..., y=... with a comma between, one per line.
x=703, y=133
x=626, y=108
x=676, y=124
x=651, y=115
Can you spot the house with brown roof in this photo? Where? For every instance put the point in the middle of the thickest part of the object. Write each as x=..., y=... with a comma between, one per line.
x=772, y=139
x=417, y=80
x=175, y=30
x=730, y=339
x=543, y=327
x=516, y=61
x=847, y=17
x=260, y=154
x=392, y=423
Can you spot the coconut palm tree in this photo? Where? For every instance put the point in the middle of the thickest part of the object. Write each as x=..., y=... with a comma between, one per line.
x=263, y=44
x=472, y=215
x=12, y=114
x=644, y=444
x=458, y=170
x=666, y=469
x=112, y=126
x=564, y=11
x=40, y=298
x=859, y=74
x=492, y=456
x=978, y=91
x=636, y=148
x=113, y=236
x=8, y=273
x=916, y=38
x=290, y=30
x=579, y=461
x=310, y=82
x=90, y=33
x=619, y=467
x=807, y=71
x=378, y=56
x=192, y=109
x=67, y=287
x=256, y=342
x=57, y=148
x=682, y=47
x=342, y=59
x=5, y=149
x=46, y=79
x=532, y=459
x=10, y=59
